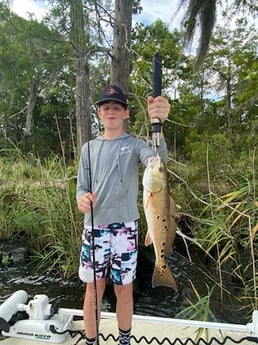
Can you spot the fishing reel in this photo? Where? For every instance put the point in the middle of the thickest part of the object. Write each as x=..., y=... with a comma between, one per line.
x=38, y=320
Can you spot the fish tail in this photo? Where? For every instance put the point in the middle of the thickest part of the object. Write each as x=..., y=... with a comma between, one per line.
x=162, y=276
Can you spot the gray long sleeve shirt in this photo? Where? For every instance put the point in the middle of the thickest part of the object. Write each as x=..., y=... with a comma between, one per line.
x=114, y=176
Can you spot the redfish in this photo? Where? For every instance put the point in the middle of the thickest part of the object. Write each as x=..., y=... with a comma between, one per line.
x=160, y=212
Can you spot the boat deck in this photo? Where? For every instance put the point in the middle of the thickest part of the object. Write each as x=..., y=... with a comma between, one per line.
x=145, y=332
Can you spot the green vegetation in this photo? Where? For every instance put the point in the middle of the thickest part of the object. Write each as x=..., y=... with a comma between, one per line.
x=219, y=201
x=38, y=199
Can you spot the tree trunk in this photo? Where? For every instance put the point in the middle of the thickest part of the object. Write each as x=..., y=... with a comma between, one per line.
x=79, y=42
x=229, y=110
x=120, y=66
x=83, y=121
x=34, y=91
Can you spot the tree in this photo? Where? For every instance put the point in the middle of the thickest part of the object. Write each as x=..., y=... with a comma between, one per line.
x=218, y=105
x=146, y=41
x=80, y=44
x=32, y=59
x=89, y=31
x=120, y=62
x=229, y=67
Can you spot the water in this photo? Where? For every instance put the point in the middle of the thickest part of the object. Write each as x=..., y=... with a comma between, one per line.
x=161, y=301
x=22, y=276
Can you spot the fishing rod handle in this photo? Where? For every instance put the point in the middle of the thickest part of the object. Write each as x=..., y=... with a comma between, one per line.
x=156, y=75
x=156, y=91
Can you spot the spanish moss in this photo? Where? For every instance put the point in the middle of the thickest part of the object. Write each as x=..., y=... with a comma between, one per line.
x=200, y=13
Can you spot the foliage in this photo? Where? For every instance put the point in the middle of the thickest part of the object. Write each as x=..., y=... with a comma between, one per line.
x=146, y=41
x=221, y=98
x=219, y=201
x=200, y=310
x=30, y=51
x=38, y=199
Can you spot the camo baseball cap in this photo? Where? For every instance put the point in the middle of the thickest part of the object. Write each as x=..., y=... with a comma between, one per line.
x=112, y=93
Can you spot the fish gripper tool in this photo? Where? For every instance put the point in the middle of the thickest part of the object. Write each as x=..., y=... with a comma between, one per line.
x=156, y=130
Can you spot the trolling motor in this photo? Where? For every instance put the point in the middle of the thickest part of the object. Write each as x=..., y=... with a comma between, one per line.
x=40, y=322
x=156, y=91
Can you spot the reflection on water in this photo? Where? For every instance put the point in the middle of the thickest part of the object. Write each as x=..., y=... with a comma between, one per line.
x=160, y=301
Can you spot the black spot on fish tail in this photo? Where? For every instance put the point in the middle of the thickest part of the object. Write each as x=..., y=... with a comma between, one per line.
x=162, y=269
x=162, y=276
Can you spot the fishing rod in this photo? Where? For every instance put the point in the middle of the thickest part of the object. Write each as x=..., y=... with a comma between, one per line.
x=156, y=91
x=93, y=245
x=78, y=18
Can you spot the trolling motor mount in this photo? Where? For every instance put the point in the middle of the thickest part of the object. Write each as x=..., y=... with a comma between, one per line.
x=42, y=319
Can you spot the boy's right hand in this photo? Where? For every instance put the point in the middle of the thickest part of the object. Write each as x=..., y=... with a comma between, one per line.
x=84, y=204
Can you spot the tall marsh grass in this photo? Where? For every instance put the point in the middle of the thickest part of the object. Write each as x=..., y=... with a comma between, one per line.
x=224, y=223
x=38, y=199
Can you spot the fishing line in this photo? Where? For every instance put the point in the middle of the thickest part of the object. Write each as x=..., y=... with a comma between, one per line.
x=78, y=17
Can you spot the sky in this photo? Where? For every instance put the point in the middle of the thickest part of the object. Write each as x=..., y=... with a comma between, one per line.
x=152, y=10
x=22, y=8
x=166, y=10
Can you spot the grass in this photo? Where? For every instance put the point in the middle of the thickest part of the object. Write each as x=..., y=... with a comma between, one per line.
x=224, y=225
x=38, y=199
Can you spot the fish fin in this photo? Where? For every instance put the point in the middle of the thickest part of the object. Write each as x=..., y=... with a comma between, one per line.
x=148, y=240
x=162, y=276
x=147, y=201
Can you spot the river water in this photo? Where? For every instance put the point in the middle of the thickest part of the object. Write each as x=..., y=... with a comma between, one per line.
x=160, y=301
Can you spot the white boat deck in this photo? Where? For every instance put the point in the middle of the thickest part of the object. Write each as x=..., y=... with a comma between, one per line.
x=144, y=329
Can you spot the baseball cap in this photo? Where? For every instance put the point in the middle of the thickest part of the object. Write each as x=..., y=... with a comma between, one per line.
x=112, y=93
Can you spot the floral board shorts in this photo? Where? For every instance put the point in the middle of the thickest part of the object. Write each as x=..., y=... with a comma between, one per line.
x=115, y=248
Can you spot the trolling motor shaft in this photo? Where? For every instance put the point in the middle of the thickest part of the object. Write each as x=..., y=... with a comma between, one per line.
x=156, y=91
